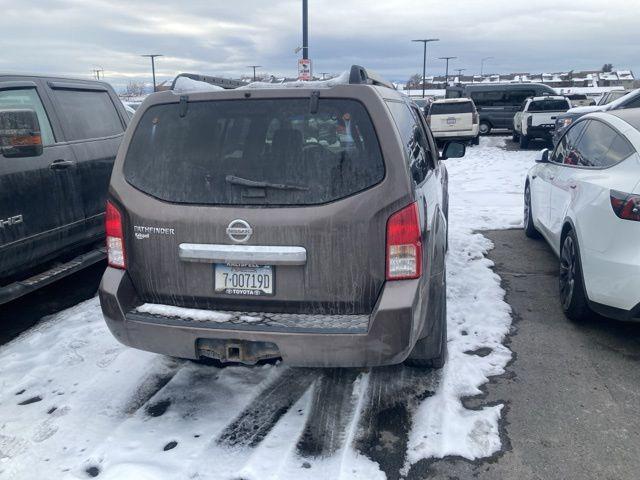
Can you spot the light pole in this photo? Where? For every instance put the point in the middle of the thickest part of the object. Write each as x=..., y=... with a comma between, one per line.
x=153, y=66
x=482, y=64
x=424, y=58
x=460, y=70
x=305, y=29
x=254, y=70
x=446, y=75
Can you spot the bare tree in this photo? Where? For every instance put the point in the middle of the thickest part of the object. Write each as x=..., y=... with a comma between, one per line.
x=135, y=89
x=607, y=67
x=415, y=80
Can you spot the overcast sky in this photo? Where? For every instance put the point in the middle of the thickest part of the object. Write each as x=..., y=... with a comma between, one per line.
x=72, y=37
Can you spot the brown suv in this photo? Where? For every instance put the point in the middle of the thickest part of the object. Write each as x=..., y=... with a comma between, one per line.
x=308, y=224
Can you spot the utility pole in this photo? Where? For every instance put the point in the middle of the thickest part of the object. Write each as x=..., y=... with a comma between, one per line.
x=482, y=64
x=96, y=73
x=254, y=70
x=460, y=70
x=424, y=59
x=153, y=66
x=446, y=75
x=305, y=29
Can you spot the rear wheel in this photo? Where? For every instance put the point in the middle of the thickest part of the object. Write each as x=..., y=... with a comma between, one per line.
x=572, y=294
x=476, y=140
x=529, y=228
x=422, y=355
x=524, y=141
x=485, y=128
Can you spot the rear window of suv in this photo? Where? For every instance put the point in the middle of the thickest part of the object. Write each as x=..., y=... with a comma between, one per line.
x=254, y=152
x=549, y=106
x=450, y=108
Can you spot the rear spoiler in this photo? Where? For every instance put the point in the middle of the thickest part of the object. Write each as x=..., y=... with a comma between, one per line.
x=360, y=75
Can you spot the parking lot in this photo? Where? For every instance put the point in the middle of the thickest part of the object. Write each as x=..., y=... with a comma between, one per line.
x=525, y=392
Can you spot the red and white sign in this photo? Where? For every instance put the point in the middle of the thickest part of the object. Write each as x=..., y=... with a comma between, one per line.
x=304, y=69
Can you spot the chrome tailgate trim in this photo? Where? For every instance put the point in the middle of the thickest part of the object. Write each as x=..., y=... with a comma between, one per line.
x=254, y=254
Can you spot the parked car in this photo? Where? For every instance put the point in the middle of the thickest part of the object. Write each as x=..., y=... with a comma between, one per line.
x=498, y=103
x=308, y=224
x=611, y=96
x=630, y=100
x=454, y=119
x=584, y=199
x=537, y=118
x=59, y=138
x=580, y=100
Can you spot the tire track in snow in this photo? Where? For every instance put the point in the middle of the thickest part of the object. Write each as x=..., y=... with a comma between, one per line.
x=386, y=418
x=331, y=413
x=257, y=420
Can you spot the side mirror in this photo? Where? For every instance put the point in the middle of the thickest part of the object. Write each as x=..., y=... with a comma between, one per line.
x=543, y=157
x=20, y=133
x=453, y=150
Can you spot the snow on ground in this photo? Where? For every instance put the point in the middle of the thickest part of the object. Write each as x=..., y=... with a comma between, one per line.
x=76, y=404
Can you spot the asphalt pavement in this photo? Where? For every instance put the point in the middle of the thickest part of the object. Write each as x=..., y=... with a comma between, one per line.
x=572, y=390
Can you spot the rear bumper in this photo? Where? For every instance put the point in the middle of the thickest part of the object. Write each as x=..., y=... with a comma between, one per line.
x=456, y=134
x=388, y=338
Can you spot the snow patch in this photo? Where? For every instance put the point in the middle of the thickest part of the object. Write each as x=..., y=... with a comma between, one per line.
x=188, y=85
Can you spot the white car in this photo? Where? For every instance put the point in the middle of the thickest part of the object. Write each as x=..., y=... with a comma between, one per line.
x=454, y=119
x=537, y=118
x=584, y=199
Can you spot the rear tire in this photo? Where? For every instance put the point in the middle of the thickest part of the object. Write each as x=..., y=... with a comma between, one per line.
x=524, y=141
x=515, y=137
x=573, y=297
x=529, y=228
x=476, y=140
x=422, y=354
x=484, y=128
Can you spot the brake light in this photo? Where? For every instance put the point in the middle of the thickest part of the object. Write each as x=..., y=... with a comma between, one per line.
x=529, y=120
x=475, y=118
x=404, y=244
x=625, y=205
x=115, y=240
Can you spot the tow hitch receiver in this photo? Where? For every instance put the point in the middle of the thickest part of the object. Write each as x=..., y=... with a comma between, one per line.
x=236, y=351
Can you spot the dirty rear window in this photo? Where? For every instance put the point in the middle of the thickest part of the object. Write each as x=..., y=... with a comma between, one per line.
x=254, y=152
x=450, y=108
x=549, y=106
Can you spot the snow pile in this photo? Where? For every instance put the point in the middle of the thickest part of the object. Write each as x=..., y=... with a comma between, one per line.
x=341, y=79
x=74, y=403
x=188, y=85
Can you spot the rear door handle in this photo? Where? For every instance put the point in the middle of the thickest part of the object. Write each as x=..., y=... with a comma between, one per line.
x=61, y=164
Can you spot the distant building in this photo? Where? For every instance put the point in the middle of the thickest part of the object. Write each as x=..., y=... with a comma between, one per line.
x=589, y=78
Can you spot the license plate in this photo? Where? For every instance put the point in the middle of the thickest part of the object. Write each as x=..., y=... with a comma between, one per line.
x=451, y=121
x=249, y=280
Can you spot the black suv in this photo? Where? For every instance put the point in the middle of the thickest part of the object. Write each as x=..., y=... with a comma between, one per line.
x=58, y=140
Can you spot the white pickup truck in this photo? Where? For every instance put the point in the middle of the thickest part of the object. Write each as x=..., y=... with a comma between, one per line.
x=537, y=118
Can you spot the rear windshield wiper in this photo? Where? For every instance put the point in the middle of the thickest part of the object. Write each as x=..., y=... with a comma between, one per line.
x=245, y=182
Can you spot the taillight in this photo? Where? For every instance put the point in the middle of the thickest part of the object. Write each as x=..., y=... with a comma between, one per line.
x=404, y=244
x=529, y=120
x=475, y=118
x=626, y=205
x=115, y=240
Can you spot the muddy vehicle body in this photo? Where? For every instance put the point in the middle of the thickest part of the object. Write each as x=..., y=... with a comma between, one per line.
x=308, y=224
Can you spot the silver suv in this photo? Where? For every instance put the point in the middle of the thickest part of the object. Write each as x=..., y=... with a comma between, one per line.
x=308, y=224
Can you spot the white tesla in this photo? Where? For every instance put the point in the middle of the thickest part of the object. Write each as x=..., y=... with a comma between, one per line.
x=584, y=199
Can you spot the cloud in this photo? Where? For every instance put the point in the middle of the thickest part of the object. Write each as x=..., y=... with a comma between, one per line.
x=72, y=37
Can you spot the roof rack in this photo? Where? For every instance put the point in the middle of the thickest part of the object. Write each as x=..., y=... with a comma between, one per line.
x=360, y=75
